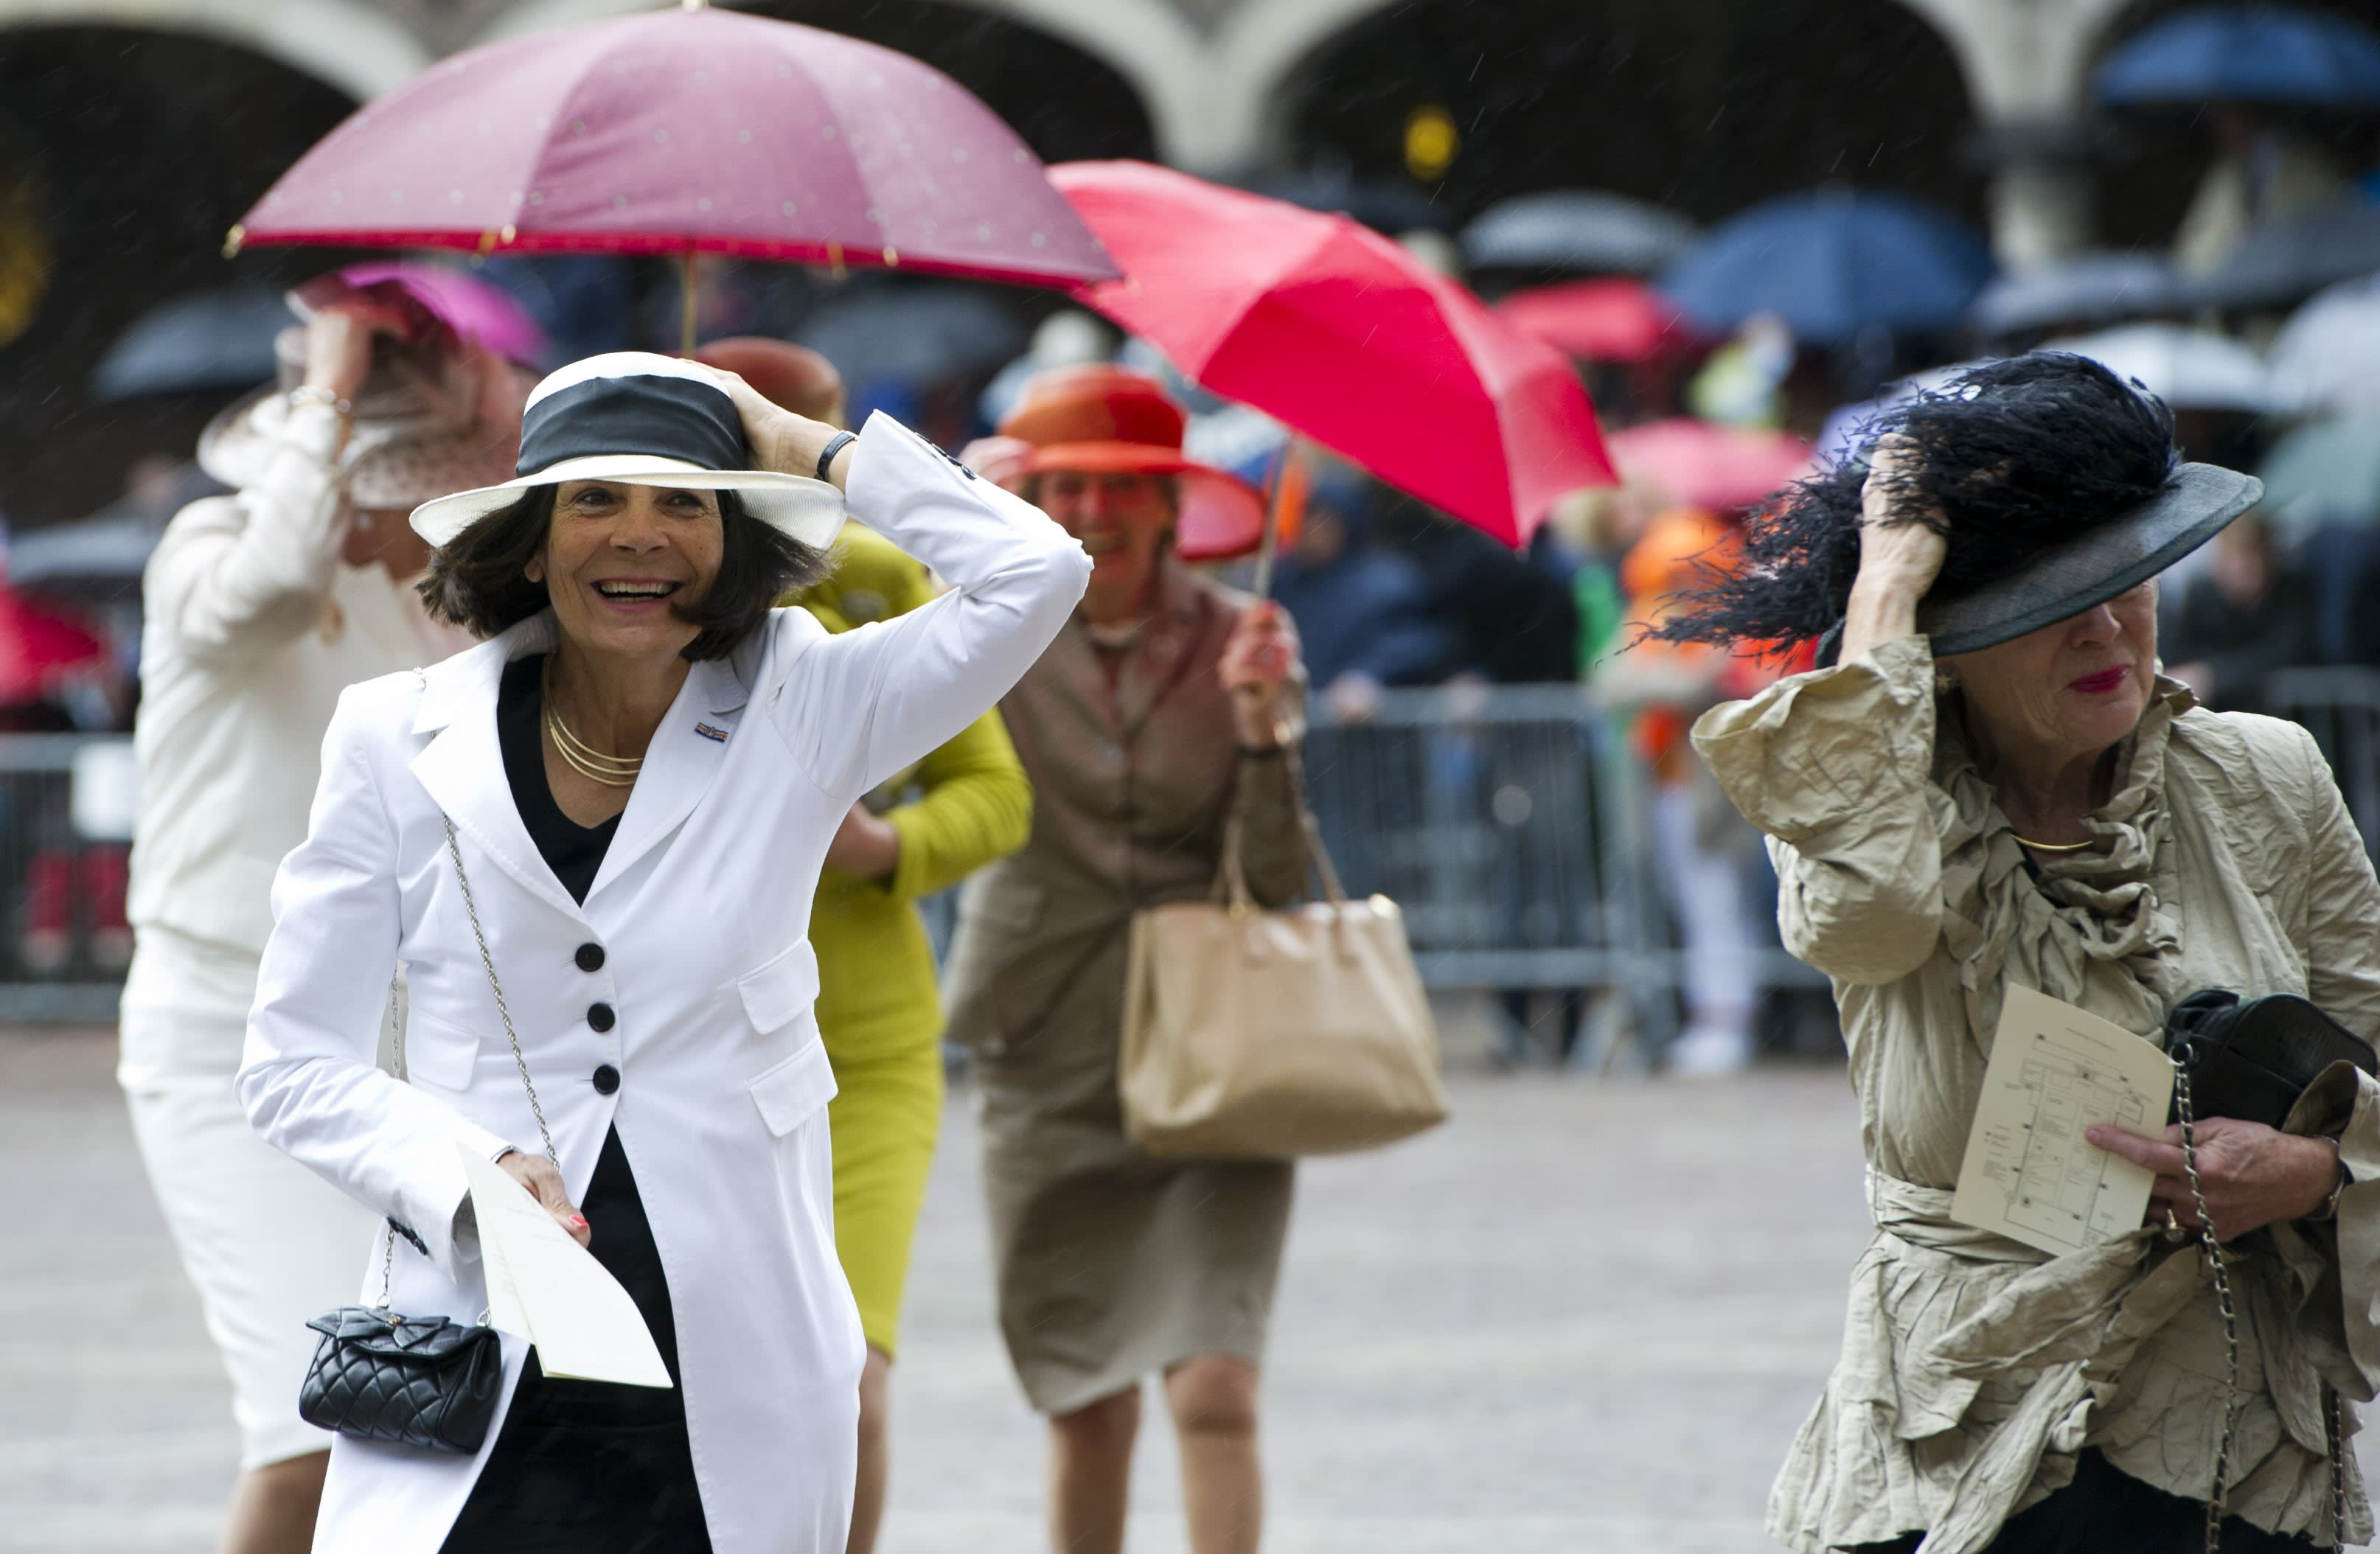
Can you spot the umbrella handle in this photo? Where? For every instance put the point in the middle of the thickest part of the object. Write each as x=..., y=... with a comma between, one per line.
x=685, y=284
x=1276, y=495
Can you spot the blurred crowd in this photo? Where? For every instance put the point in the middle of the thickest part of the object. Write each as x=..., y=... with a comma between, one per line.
x=1716, y=380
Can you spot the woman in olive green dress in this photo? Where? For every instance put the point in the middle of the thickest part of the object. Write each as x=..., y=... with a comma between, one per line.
x=879, y=1007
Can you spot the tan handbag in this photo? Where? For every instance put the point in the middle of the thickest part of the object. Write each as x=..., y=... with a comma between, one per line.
x=1258, y=1035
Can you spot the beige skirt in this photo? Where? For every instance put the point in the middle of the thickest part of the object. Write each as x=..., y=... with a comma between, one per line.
x=1111, y=1263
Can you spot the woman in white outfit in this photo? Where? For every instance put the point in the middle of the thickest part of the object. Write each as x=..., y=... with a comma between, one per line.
x=261, y=607
x=642, y=773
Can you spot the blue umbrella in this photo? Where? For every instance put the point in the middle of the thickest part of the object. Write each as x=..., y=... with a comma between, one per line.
x=2085, y=289
x=220, y=339
x=2246, y=54
x=1832, y=263
x=913, y=334
x=2291, y=257
x=1577, y=229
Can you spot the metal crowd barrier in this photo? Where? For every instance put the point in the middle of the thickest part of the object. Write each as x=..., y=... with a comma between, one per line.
x=1509, y=824
x=65, y=839
x=2341, y=707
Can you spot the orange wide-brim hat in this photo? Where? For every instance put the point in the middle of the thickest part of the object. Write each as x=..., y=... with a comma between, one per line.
x=1100, y=419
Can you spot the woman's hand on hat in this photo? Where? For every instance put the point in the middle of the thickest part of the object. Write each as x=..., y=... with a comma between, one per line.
x=1901, y=550
x=339, y=342
x=780, y=440
x=1258, y=658
x=1901, y=543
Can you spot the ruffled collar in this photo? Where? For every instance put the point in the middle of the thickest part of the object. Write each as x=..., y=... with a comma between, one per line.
x=2049, y=927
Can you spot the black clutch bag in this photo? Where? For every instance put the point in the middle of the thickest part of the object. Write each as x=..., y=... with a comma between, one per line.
x=2251, y=1059
x=408, y=1381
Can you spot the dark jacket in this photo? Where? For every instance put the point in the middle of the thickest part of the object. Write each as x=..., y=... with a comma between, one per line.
x=2243, y=646
x=1508, y=617
x=1366, y=613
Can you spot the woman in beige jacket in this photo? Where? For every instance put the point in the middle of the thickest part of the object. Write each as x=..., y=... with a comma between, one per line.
x=1994, y=788
x=1157, y=712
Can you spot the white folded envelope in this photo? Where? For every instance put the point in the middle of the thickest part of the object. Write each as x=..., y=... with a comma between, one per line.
x=546, y=1288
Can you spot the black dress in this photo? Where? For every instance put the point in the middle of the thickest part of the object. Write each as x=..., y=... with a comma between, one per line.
x=585, y=1467
x=2107, y=1510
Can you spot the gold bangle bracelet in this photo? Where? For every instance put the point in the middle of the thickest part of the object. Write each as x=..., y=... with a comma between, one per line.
x=307, y=394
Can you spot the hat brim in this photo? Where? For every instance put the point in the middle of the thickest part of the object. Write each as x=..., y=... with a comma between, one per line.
x=386, y=463
x=2095, y=566
x=1221, y=516
x=809, y=511
x=1112, y=459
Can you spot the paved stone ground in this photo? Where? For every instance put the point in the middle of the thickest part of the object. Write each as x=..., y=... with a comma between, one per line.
x=1586, y=1316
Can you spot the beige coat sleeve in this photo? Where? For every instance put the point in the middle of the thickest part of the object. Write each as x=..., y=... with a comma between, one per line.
x=237, y=576
x=1265, y=798
x=2342, y=945
x=1834, y=766
x=2342, y=948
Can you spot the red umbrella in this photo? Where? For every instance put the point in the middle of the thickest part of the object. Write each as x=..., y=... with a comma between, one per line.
x=40, y=649
x=1703, y=464
x=1345, y=337
x=684, y=131
x=1609, y=319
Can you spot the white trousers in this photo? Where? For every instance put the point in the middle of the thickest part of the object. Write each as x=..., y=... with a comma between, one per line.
x=1706, y=890
x=267, y=1242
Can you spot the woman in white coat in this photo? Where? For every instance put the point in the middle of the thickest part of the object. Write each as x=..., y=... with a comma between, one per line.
x=647, y=929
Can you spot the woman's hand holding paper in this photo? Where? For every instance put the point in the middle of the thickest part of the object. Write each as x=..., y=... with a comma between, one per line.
x=2250, y=1175
x=540, y=1181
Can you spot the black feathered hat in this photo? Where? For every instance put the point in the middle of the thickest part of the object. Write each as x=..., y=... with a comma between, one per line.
x=2056, y=487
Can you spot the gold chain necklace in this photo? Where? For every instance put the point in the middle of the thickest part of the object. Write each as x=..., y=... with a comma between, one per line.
x=612, y=772
x=2054, y=846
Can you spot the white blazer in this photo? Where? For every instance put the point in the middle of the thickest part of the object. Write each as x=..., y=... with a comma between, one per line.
x=705, y=980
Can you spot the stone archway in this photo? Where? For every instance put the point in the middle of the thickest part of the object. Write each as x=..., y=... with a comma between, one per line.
x=137, y=147
x=1147, y=42
x=1706, y=105
x=348, y=44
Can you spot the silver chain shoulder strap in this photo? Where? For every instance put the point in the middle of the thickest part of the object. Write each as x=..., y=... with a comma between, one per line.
x=2332, y=1426
x=388, y=1227
x=495, y=986
x=455, y=851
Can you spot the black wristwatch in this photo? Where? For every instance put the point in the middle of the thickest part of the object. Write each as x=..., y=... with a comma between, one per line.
x=834, y=445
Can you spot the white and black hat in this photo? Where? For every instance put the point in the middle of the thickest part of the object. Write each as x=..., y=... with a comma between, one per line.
x=648, y=421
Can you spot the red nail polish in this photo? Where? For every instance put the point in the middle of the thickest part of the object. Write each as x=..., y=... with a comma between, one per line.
x=579, y=1221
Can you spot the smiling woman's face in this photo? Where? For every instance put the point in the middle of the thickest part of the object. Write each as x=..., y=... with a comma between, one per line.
x=1125, y=521
x=2069, y=690
x=618, y=557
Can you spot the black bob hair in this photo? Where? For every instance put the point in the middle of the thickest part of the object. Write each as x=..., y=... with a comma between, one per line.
x=476, y=581
x=2017, y=456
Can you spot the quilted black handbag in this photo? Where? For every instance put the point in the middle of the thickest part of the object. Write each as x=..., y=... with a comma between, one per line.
x=2252, y=1058
x=407, y=1380
x=425, y=1381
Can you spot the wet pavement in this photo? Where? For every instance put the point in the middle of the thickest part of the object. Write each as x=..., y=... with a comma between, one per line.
x=1586, y=1316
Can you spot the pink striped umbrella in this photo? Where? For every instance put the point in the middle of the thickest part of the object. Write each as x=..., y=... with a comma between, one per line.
x=687, y=132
